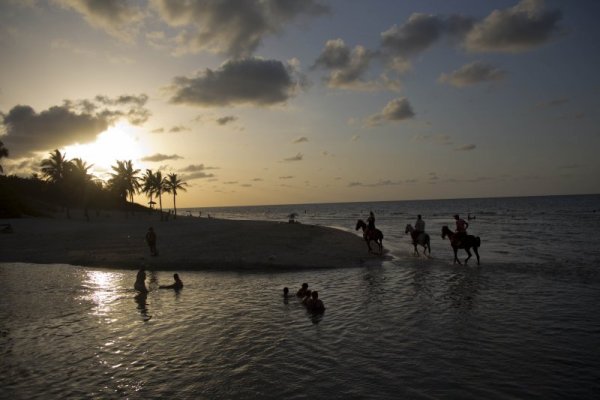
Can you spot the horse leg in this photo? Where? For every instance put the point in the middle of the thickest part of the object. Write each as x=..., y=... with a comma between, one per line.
x=456, y=260
x=477, y=254
x=467, y=249
x=380, y=244
x=416, y=250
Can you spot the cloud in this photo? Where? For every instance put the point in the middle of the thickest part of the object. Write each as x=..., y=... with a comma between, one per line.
x=197, y=175
x=439, y=138
x=473, y=73
x=413, y=37
x=286, y=177
x=466, y=147
x=297, y=157
x=301, y=139
x=226, y=120
x=196, y=168
x=380, y=183
x=116, y=17
x=158, y=157
x=158, y=130
x=248, y=81
x=178, y=128
x=257, y=180
x=347, y=67
x=80, y=121
x=232, y=27
x=396, y=110
x=514, y=30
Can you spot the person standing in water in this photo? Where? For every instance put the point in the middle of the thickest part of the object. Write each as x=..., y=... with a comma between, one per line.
x=140, y=282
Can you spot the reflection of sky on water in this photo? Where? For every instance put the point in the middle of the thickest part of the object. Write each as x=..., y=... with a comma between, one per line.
x=103, y=290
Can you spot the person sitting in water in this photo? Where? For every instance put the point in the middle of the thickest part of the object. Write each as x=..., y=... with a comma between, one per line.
x=316, y=304
x=419, y=228
x=140, y=282
x=307, y=299
x=177, y=285
x=302, y=291
x=461, y=228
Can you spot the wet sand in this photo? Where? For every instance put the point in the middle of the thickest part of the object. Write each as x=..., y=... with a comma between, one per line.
x=115, y=241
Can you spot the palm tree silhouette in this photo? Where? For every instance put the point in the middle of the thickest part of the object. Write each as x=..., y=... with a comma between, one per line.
x=3, y=153
x=173, y=184
x=148, y=185
x=124, y=181
x=158, y=185
x=54, y=168
x=80, y=181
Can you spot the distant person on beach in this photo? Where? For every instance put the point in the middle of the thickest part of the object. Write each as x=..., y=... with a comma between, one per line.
x=140, y=282
x=461, y=228
x=316, y=305
x=151, y=240
x=177, y=285
x=302, y=291
x=419, y=228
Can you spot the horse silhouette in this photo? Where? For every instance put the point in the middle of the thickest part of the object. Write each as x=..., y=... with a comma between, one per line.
x=371, y=235
x=466, y=242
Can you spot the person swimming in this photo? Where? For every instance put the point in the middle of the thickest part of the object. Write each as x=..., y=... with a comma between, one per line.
x=140, y=282
x=177, y=285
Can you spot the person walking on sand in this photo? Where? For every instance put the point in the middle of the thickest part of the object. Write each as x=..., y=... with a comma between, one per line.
x=151, y=240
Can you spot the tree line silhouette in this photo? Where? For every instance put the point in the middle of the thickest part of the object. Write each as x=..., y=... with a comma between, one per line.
x=69, y=184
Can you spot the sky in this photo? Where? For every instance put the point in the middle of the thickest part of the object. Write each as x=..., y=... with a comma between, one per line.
x=309, y=101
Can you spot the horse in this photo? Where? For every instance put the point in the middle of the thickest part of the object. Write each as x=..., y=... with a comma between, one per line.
x=371, y=235
x=422, y=239
x=467, y=242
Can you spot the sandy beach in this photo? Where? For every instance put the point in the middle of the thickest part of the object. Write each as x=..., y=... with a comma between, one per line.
x=116, y=241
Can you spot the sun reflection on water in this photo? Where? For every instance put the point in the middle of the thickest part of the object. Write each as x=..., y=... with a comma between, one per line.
x=104, y=290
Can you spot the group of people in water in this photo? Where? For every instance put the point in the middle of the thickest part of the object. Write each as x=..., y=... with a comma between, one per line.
x=140, y=283
x=309, y=298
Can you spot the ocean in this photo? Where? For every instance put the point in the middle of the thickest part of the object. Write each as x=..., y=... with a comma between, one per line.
x=523, y=324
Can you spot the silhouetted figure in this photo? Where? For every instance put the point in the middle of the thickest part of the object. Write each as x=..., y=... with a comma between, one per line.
x=371, y=221
x=177, y=285
x=151, y=240
x=286, y=292
x=419, y=228
x=140, y=282
x=307, y=299
x=140, y=299
x=461, y=229
x=302, y=291
x=316, y=305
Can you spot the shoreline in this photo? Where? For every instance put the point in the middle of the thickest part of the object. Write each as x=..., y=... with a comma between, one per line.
x=113, y=240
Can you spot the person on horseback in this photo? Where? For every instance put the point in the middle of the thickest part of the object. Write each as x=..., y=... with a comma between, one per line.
x=419, y=228
x=461, y=229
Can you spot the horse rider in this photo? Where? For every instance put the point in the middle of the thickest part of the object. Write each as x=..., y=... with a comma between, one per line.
x=461, y=228
x=419, y=228
x=370, y=223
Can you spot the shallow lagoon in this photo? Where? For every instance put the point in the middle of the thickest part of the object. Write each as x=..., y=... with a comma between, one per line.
x=424, y=330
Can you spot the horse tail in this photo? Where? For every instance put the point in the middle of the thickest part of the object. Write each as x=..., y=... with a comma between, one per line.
x=477, y=242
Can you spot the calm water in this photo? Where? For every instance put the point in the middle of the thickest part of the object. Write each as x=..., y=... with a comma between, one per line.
x=523, y=325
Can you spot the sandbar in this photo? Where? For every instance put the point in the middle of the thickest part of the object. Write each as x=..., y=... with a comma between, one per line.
x=113, y=240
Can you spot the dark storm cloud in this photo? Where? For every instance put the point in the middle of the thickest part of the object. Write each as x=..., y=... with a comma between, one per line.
x=248, y=81
x=347, y=67
x=72, y=122
x=232, y=27
x=396, y=110
x=473, y=73
x=158, y=157
x=119, y=18
x=517, y=29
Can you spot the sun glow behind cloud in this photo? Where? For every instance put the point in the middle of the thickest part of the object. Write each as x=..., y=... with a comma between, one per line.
x=119, y=142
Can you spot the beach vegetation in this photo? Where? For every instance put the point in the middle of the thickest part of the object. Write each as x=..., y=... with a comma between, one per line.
x=172, y=184
x=124, y=181
x=3, y=154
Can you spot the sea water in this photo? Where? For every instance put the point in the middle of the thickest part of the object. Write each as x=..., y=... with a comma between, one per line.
x=524, y=324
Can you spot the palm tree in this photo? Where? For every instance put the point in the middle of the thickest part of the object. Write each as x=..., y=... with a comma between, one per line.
x=54, y=168
x=148, y=185
x=158, y=187
x=124, y=181
x=3, y=153
x=172, y=185
x=80, y=180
